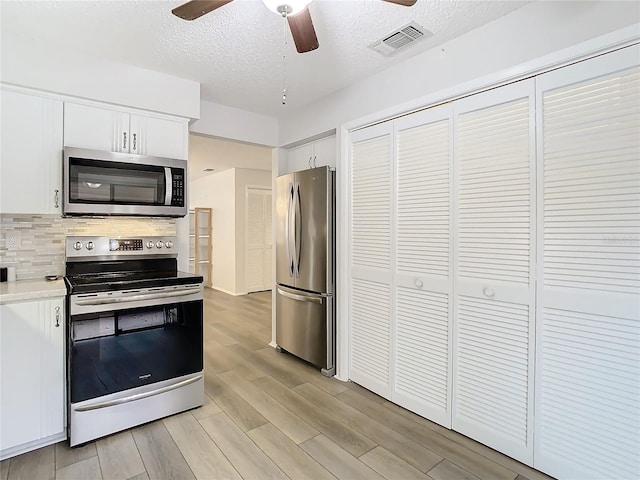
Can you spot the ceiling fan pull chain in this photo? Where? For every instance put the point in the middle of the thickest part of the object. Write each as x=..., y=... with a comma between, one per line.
x=284, y=58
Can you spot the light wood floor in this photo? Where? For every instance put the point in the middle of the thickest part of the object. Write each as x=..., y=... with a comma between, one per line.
x=270, y=416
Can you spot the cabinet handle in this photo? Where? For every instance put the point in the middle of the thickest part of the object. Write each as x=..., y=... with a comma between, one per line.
x=310, y=162
x=57, y=317
x=314, y=161
x=134, y=141
x=124, y=140
x=56, y=198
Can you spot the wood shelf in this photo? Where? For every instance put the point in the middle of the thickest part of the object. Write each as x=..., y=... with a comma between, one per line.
x=200, y=219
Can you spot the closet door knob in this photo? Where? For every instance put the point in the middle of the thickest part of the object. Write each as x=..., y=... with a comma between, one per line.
x=488, y=292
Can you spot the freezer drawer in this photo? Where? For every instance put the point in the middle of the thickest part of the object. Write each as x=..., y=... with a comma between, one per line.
x=304, y=326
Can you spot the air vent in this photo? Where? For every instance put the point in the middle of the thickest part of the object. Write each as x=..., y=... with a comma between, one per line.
x=392, y=42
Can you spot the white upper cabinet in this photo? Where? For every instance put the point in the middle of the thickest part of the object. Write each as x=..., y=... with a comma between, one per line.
x=588, y=317
x=31, y=152
x=314, y=154
x=102, y=128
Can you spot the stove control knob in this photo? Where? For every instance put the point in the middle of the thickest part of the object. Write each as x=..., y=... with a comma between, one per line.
x=150, y=244
x=89, y=245
x=159, y=244
x=169, y=244
x=77, y=245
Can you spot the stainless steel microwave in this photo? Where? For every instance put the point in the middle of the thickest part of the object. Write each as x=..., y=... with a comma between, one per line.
x=108, y=183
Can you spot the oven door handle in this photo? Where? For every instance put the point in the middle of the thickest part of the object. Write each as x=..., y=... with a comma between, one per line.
x=135, y=298
x=139, y=396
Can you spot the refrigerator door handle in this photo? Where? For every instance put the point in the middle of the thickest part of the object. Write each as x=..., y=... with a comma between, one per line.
x=288, y=230
x=301, y=298
x=297, y=230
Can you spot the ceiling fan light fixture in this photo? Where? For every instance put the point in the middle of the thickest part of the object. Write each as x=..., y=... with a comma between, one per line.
x=286, y=7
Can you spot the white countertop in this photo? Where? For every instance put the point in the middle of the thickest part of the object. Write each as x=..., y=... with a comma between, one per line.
x=31, y=290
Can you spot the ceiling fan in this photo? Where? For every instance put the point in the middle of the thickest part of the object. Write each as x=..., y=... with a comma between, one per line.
x=295, y=11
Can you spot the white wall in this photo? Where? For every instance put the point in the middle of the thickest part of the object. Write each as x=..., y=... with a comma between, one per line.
x=235, y=124
x=61, y=72
x=245, y=178
x=535, y=30
x=217, y=191
x=207, y=152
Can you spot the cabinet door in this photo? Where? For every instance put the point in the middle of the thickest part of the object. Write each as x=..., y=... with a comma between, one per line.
x=370, y=212
x=324, y=152
x=159, y=137
x=423, y=327
x=494, y=301
x=97, y=128
x=588, y=337
x=299, y=158
x=32, y=373
x=31, y=168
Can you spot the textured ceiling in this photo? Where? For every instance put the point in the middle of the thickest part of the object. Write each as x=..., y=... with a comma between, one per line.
x=236, y=52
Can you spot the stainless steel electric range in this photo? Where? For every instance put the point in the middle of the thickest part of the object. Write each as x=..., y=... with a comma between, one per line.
x=135, y=334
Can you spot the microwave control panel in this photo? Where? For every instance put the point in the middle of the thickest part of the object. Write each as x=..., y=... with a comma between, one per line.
x=177, y=199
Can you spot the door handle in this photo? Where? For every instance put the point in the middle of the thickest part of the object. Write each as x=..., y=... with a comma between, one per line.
x=56, y=198
x=298, y=230
x=57, y=317
x=124, y=140
x=300, y=298
x=289, y=230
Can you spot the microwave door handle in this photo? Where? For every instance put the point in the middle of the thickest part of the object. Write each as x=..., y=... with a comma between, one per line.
x=168, y=191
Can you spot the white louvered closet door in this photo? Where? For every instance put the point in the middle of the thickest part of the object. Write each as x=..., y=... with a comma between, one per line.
x=588, y=319
x=371, y=180
x=422, y=380
x=494, y=288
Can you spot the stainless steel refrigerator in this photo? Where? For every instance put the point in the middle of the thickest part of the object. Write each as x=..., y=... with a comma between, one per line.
x=305, y=266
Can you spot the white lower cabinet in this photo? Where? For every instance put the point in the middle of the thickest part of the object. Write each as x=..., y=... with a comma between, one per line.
x=32, y=375
x=494, y=274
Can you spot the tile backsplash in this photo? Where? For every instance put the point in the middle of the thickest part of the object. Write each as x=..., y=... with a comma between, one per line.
x=41, y=250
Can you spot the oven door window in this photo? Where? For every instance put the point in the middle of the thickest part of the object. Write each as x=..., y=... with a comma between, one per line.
x=117, y=183
x=115, y=351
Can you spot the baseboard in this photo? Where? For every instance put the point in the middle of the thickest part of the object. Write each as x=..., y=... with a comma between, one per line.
x=227, y=291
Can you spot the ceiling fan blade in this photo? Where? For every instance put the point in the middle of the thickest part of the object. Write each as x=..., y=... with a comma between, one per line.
x=197, y=8
x=304, y=35
x=404, y=3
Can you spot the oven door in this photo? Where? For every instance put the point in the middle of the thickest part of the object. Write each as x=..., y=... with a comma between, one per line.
x=127, y=339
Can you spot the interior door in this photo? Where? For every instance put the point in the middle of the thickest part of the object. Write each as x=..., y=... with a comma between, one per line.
x=371, y=178
x=423, y=321
x=494, y=268
x=588, y=319
x=258, y=239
